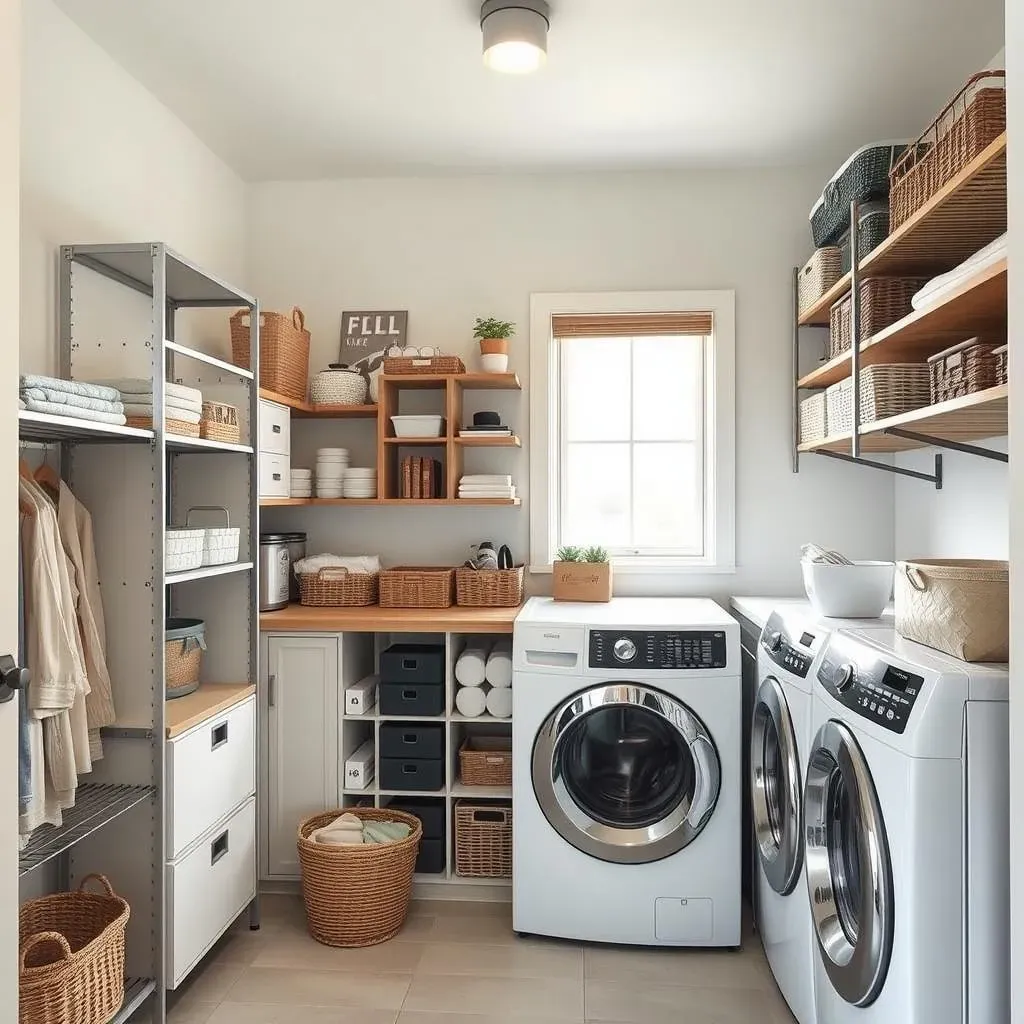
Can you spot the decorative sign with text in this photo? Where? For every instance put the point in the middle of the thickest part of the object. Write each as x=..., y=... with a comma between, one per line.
x=366, y=338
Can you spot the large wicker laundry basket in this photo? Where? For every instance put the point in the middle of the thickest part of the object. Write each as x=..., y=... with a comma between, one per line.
x=357, y=895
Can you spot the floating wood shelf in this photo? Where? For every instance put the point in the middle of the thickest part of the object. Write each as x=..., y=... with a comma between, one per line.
x=298, y=618
x=976, y=306
x=468, y=441
x=292, y=502
x=336, y=412
x=437, y=442
x=966, y=214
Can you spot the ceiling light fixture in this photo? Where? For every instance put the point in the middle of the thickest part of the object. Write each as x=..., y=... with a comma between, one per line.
x=515, y=34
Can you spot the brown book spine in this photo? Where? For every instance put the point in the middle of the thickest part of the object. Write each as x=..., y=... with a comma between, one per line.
x=417, y=471
x=438, y=479
x=426, y=478
x=407, y=477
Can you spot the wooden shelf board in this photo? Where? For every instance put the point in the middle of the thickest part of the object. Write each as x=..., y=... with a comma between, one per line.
x=468, y=441
x=489, y=792
x=295, y=404
x=334, y=412
x=436, y=442
x=978, y=305
x=298, y=618
x=209, y=700
x=415, y=381
x=466, y=381
x=272, y=502
x=510, y=502
x=962, y=217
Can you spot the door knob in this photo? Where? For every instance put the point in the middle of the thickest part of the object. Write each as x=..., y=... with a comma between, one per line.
x=12, y=677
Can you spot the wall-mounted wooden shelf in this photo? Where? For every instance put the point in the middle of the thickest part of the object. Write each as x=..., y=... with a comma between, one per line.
x=336, y=412
x=437, y=442
x=468, y=441
x=297, y=618
x=482, y=502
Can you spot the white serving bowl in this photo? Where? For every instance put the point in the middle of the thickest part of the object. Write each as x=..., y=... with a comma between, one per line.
x=418, y=426
x=360, y=473
x=858, y=591
x=494, y=362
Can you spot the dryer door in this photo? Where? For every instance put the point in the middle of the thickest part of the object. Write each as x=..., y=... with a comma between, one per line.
x=625, y=773
x=775, y=787
x=849, y=872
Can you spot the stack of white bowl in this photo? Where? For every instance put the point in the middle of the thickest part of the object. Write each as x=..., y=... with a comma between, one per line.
x=360, y=483
x=331, y=467
x=301, y=483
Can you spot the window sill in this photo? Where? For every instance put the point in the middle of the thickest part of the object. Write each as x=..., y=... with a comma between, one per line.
x=655, y=569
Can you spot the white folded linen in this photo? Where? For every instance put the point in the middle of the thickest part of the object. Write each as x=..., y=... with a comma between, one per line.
x=502, y=479
x=144, y=386
x=471, y=701
x=471, y=665
x=499, y=668
x=82, y=388
x=939, y=286
x=58, y=409
x=353, y=563
x=499, y=702
x=146, y=412
x=72, y=401
x=508, y=494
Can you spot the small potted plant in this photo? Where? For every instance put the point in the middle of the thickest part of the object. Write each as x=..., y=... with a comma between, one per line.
x=493, y=335
x=582, y=574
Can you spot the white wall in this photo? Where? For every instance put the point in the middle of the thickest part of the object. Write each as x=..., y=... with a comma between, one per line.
x=449, y=250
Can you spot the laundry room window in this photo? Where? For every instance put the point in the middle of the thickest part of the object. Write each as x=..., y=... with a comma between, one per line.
x=632, y=428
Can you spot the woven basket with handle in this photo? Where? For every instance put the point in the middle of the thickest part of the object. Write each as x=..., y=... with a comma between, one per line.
x=886, y=389
x=883, y=301
x=963, y=369
x=336, y=587
x=220, y=423
x=284, y=350
x=817, y=275
x=412, y=586
x=483, y=840
x=171, y=426
x=423, y=364
x=486, y=761
x=71, y=956
x=489, y=588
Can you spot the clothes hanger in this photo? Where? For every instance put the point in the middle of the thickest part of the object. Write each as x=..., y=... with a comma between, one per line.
x=48, y=477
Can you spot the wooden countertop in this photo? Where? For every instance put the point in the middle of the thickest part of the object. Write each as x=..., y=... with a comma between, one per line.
x=209, y=700
x=299, y=619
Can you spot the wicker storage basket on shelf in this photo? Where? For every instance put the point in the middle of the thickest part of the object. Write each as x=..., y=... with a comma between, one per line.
x=489, y=588
x=483, y=840
x=423, y=364
x=339, y=384
x=887, y=389
x=71, y=956
x=883, y=301
x=357, y=895
x=813, y=419
x=220, y=423
x=171, y=426
x=960, y=606
x=335, y=587
x=972, y=120
x=872, y=231
x=412, y=586
x=817, y=275
x=963, y=369
x=1002, y=364
x=284, y=350
x=486, y=761
x=184, y=643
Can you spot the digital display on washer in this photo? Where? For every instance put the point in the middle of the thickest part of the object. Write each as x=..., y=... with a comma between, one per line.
x=661, y=649
x=902, y=682
x=806, y=639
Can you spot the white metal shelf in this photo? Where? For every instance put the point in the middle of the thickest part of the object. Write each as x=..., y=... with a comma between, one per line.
x=136, y=992
x=205, y=572
x=202, y=357
x=177, y=443
x=41, y=426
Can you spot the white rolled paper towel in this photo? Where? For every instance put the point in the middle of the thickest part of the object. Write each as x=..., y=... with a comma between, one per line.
x=499, y=702
x=499, y=667
x=471, y=701
x=471, y=668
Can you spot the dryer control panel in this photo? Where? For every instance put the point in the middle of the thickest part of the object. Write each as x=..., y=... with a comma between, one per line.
x=657, y=649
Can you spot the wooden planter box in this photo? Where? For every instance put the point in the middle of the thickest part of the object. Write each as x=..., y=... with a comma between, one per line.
x=582, y=581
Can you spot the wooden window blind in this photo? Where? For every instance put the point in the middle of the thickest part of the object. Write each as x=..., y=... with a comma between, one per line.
x=626, y=325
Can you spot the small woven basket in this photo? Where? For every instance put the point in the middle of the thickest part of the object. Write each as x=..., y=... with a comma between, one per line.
x=883, y=301
x=171, y=426
x=357, y=895
x=339, y=384
x=489, y=588
x=813, y=419
x=71, y=956
x=412, y=586
x=962, y=370
x=483, y=840
x=184, y=643
x=336, y=587
x=886, y=389
x=220, y=423
x=817, y=275
x=486, y=761
x=1002, y=364
x=872, y=231
x=405, y=365
x=284, y=350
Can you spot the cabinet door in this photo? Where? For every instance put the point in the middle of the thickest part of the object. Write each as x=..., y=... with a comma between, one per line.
x=302, y=741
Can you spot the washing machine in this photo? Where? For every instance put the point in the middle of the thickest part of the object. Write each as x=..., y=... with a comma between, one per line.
x=906, y=829
x=626, y=772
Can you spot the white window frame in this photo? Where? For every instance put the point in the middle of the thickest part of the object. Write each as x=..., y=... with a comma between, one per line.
x=719, y=426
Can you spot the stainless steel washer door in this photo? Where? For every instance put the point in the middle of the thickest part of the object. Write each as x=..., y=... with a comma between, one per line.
x=625, y=773
x=775, y=788
x=849, y=872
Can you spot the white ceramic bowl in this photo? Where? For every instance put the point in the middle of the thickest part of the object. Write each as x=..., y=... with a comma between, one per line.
x=858, y=591
x=360, y=472
x=418, y=426
x=494, y=362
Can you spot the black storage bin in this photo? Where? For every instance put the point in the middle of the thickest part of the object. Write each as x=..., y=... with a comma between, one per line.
x=403, y=739
x=417, y=700
x=430, y=860
x=411, y=773
x=412, y=663
x=430, y=812
x=873, y=230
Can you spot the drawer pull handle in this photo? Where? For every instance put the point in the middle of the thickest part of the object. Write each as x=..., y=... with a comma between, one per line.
x=409, y=769
x=277, y=476
x=276, y=428
x=218, y=735
x=219, y=847
x=271, y=696
x=409, y=663
x=408, y=695
x=409, y=737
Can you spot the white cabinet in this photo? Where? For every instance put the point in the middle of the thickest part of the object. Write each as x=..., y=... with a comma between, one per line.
x=301, y=703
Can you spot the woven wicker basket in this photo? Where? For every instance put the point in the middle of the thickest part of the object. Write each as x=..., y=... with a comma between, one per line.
x=171, y=426
x=962, y=370
x=486, y=761
x=284, y=350
x=357, y=895
x=972, y=120
x=483, y=840
x=883, y=301
x=423, y=364
x=817, y=275
x=872, y=231
x=1002, y=364
x=886, y=389
x=813, y=419
x=183, y=655
x=220, y=423
x=335, y=587
x=489, y=588
x=71, y=956
x=413, y=586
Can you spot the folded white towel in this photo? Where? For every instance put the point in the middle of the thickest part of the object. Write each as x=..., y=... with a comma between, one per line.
x=146, y=412
x=59, y=409
x=499, y=702
x=499, y=668
x=353, y=563
x=82, y=388
x=486, y=478
x=73, y=401
x=471, y=666
x=129, y=386
x=471, y=701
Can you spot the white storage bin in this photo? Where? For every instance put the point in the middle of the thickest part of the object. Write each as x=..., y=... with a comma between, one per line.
x=359, y=767
x=183, y=549
x=274, y=475
x=220, y=544
x=275, y=428
x=418, y=426
x=361, y=697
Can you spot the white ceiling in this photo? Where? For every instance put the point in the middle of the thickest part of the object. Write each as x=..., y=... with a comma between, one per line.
x=329, y=88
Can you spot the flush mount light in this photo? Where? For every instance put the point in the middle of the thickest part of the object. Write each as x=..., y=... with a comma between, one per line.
x=515, y=34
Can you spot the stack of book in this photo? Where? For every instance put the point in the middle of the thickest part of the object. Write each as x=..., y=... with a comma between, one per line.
x=422, y=477
x=486, y=485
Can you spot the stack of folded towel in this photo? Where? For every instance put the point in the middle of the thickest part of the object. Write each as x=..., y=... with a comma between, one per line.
x=484, y=676
x=73, y=398
x=486, y=485
x=181, y=403
x=348, y=830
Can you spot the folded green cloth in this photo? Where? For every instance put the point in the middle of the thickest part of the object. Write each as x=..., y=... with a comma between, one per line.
x=384, y=831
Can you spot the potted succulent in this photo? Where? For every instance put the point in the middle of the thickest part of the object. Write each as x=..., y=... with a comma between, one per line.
x=582, y=574
x=493, y=336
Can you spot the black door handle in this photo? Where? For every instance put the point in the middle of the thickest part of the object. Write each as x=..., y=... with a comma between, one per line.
x=12, y=677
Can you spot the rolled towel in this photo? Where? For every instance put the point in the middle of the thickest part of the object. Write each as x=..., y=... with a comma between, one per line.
x=384, y=831
x=471, y=668
x=499, y=668
x=471, y=701
x=346, y=820
x=499, y=702
x=328, y=836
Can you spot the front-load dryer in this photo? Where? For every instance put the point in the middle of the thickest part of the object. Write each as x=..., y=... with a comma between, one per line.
x=627, y=772
x=906, y=809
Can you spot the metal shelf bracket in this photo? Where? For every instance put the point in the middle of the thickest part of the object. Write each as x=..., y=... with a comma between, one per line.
x=932, y=478
x=942, y=442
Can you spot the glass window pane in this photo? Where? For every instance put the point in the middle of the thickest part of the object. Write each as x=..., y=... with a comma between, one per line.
x=595, y=499
x=596, y=389
x=667, y=388
x=667, y=497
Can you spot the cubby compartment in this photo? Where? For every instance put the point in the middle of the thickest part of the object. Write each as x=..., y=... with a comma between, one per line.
x=357, y=739
x=490, y=733
x=433, y=817
x=471, y=712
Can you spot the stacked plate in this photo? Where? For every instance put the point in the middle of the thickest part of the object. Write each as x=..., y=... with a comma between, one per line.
x=360, y=483
x=331, y=466
x=301, y=483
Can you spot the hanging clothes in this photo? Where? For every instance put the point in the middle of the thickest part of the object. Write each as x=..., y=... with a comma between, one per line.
x=24, y=740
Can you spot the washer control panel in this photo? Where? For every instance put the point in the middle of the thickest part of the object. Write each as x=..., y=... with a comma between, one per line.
x=657, y=649
x=874, y=689
x=791, y=648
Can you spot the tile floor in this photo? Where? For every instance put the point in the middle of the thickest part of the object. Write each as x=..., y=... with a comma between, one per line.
x=460, y=963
